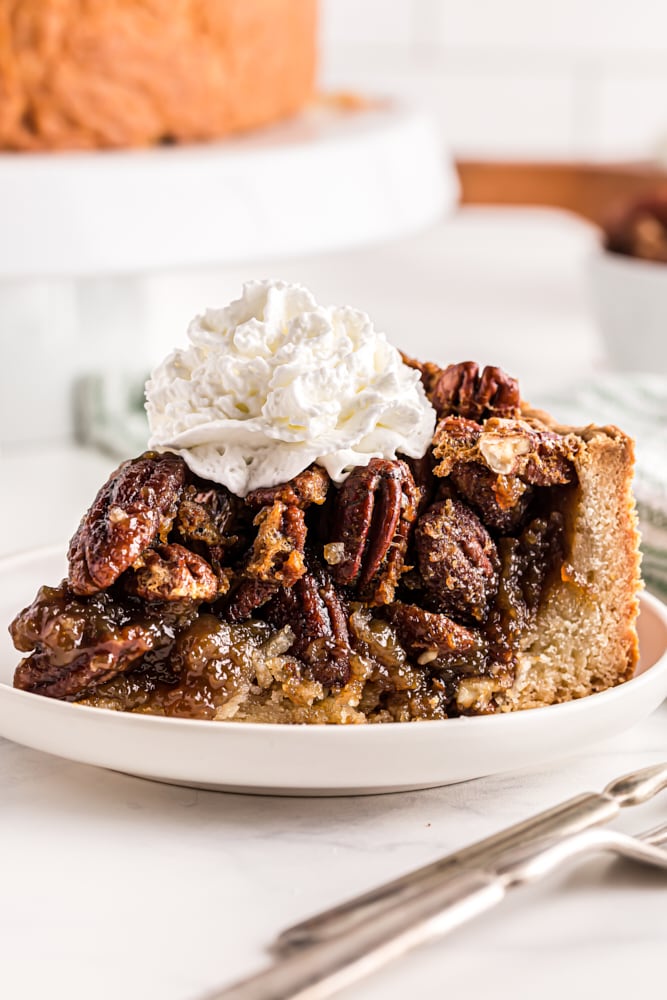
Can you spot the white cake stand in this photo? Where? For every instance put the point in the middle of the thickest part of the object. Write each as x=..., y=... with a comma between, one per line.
x=81, y=230
x=331, y=178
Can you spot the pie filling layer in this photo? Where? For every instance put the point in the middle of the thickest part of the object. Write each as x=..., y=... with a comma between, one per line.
x=405, y=593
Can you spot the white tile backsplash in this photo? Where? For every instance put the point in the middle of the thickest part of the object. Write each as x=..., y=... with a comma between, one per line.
x=374, y=21
x=630, y=112
x=573, y=78
x=591, y=25
x=518, y=113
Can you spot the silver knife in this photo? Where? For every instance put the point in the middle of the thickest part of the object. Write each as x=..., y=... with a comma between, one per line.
x=579, y=813
x=318, y=971
x=322, y=969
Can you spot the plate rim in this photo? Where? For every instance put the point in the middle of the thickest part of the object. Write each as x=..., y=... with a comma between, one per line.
x=646, y=678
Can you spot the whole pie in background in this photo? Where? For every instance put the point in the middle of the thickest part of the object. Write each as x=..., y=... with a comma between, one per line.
x=124, y=73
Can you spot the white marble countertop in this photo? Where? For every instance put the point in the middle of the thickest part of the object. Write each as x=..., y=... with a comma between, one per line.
x=113, y=886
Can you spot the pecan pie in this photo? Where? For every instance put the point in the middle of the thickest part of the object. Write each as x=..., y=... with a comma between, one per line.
x=498, y=572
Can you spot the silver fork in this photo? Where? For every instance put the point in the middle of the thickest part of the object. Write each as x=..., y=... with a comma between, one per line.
x=578, y=813
x=322, y=969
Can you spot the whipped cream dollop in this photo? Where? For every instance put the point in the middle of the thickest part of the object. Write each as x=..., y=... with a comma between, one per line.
x=274, y=382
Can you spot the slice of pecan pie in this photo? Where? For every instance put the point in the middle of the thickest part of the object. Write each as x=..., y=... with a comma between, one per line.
x=498, y=572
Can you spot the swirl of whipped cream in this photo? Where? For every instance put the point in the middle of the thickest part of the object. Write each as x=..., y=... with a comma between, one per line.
x=274, y=382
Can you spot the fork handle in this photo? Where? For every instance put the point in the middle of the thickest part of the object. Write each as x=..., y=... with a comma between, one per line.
x=579, y=813
x=323, y=969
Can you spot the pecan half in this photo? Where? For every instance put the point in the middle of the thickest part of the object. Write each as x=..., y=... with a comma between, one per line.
x=374, y=512
x=538, y=456
x=429, y=637
x=460, y=389
x=172, y=573
x=310, y=486
x=454, y=437
x=276, y=560
x=208, y=516
x=458, y=560
x=247, y=597
x=317, y=615
x=136, y=504
x=214, y=524
x=501, y=501
x=277, y=552
x=496, y=467
x=79, y=644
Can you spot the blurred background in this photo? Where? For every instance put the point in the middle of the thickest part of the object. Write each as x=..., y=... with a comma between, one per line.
x=574, y=79
x=486, y=180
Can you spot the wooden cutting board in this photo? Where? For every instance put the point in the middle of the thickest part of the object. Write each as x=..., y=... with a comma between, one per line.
x=590, y=190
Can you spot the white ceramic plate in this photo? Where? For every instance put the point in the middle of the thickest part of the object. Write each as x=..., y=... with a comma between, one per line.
x=313, y=760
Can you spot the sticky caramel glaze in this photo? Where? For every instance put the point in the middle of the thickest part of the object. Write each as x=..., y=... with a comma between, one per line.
x=221, y=671
x=217, y=670
x=77, y=643
x=190, y=664
x=210, y=664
